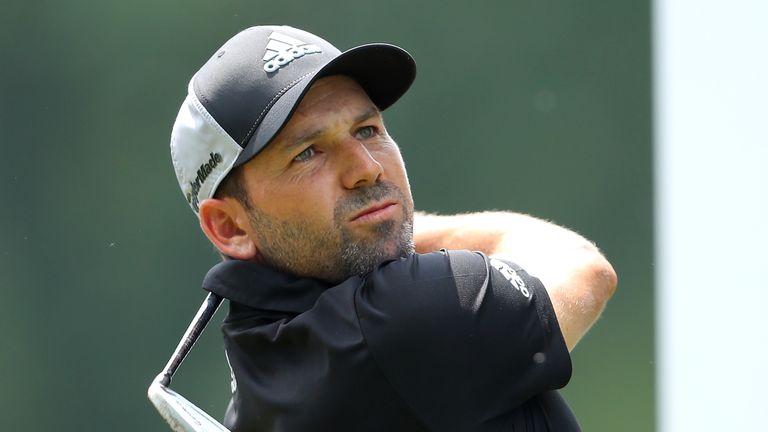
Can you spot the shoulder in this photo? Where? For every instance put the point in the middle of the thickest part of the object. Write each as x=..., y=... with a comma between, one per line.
x=433, y=267
x=459, y=319
x=451, y=290
x=458, y=280
x=424, y=284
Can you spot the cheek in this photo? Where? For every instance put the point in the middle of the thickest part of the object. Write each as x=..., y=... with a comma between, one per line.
x=300, y=200
x=306, y=204
x=395, y=169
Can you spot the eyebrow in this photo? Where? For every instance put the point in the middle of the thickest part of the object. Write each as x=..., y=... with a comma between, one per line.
x=314, y=134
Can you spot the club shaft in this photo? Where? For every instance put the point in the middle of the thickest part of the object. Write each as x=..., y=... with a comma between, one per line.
x=196, y=327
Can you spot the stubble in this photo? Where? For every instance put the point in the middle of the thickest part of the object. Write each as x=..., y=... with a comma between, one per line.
x=335, y=253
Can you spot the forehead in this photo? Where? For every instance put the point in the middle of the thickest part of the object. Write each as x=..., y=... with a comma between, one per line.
x=334, y=93
x=331, y=104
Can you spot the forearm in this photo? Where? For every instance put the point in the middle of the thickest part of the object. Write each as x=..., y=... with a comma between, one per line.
x=464, y=231
x=578, y=278
x=492, y=233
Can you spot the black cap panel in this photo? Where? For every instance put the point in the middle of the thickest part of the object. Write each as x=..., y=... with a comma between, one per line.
x=234, y=86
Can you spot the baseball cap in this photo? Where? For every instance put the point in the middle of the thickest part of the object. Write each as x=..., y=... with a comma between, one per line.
x=247, y=91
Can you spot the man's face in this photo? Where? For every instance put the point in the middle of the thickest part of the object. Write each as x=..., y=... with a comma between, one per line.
x=329, y=195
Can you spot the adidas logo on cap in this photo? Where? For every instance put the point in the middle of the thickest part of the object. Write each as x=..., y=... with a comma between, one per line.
x=283, y=49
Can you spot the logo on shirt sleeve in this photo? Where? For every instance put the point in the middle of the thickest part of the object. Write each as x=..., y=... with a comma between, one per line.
x=511, y=275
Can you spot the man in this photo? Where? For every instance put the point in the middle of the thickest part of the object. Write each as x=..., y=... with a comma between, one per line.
x=348, y=310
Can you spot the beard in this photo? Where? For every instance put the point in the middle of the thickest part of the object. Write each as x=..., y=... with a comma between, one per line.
x=334, y=253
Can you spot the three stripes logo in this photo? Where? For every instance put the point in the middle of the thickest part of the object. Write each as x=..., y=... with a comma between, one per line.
x=283, y=49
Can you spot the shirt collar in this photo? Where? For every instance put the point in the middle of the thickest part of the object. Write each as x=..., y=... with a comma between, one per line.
x=262, y=287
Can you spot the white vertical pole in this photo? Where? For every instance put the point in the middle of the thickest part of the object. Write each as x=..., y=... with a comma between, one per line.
x=711, y=179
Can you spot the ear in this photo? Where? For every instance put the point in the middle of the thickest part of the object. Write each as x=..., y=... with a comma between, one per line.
x=225, y=222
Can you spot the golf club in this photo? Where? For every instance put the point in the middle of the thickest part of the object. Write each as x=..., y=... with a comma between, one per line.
x=181, y=414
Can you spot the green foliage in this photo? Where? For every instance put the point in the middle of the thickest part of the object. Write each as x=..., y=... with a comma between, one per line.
x=539, y=107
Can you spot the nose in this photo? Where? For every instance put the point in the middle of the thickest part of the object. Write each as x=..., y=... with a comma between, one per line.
x=359, y=167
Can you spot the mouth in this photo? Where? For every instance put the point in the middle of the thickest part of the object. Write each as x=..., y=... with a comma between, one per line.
x=376, y=212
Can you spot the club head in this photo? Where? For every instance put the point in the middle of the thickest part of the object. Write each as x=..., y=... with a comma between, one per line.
x=181, y=414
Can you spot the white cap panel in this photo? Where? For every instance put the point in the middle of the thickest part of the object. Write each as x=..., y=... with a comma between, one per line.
x=202, y=152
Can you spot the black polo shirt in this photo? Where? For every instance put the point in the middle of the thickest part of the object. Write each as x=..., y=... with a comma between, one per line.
x=446, y=341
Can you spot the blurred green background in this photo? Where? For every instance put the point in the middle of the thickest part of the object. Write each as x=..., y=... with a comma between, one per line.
x=536, y=106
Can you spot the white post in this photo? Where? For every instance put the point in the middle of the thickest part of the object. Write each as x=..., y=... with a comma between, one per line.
x=711, y=180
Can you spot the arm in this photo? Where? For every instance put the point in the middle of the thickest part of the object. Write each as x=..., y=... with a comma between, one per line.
x=578, y=279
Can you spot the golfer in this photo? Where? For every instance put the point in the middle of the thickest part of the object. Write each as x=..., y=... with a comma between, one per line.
x=348, y=310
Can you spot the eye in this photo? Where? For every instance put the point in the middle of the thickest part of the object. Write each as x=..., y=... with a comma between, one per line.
x=365, y=132
x=305, y=155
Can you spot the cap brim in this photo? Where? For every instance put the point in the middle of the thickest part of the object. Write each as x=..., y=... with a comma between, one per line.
x=384, y=71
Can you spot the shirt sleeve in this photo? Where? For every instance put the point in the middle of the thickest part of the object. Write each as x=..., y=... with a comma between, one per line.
x=465, y=339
